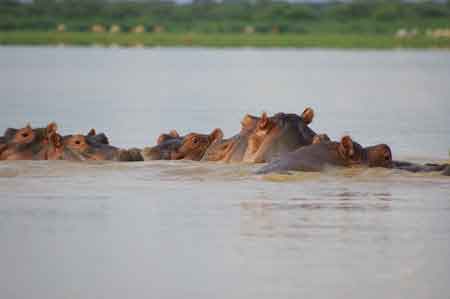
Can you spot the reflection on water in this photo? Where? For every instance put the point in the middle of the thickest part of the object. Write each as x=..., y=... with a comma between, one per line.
x=177, y=229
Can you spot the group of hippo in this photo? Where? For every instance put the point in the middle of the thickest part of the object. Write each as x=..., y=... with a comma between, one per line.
x=284, y=141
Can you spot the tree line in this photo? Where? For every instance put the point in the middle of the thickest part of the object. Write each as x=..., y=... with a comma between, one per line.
x=376, y=16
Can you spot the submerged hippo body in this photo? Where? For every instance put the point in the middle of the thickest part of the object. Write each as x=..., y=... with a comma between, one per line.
x=279, y=134
x=26, y=143
x=92, y=146
x=318, y=156
x=174, y=147
x=421, y=168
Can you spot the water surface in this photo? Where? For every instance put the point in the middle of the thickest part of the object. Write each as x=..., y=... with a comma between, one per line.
x=206, y=230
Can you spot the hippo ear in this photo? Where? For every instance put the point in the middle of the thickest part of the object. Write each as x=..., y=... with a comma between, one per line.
x=56, y=140
x=308, y=115
x=346, y=147
x=174, y=133
x=216, y=134
x=92, y=132
x=247, y=120
x=52, y=128
x=264, y=121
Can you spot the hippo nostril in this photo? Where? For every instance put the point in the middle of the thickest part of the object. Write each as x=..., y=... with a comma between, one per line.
x=25, y=135
x=78, y=142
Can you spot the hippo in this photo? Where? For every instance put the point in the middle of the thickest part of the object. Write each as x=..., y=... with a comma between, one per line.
x=279, y=134
x=419, y=168
x=92, y=146
x=232, y=149
x=166, y=144
x=317, y=156
x=26, y=143
x=172, y=135
x=174, y=147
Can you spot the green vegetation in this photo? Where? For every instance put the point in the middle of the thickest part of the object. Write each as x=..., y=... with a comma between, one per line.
x=370, y=24
x=220, y=40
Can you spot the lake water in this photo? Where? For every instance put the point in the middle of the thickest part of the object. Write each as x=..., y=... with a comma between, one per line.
x=205, y=230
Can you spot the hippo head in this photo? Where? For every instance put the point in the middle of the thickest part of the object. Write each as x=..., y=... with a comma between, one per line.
x=221, y=149
x=166, y=144
x=92, y=146
x=248, y=124
x=26, y=143
x=194, y=146
x=170, y=136
x=373, y=156
x=323, y=153
x=232, y=149
x=378, y=156
x=279, y=134
x=190, y=147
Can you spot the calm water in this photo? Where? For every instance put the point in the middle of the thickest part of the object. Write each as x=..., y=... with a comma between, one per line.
x=205, y=230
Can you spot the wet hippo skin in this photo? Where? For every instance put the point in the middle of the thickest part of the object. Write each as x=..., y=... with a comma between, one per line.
x=318, y=156
x=92, y=146
x=422, y=168
x=174, y=147
x=279, y=134
x=232, y=149
x=26, y=143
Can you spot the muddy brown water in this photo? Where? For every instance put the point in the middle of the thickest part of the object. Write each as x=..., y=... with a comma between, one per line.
x=206, y=230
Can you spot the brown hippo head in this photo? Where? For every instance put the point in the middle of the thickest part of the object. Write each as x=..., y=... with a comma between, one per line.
x=170, y=136
x=373, y=156
x=173, y=147
x=26, y=143
x=232, y=149
x=248, y=124
x=378, y=156
x=317, y=156
x=92, y=146
x=166, y=144
x=194, y=146
x=279, y=134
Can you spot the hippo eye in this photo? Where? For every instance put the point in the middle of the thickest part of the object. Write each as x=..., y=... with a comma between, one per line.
x=194, y=140
x=24, y=135
x=77, y=142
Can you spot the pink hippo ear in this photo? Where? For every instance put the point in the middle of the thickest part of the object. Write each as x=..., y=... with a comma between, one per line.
x=92, y=132
x=308, y=115
x=346, y=147
x=52, y=128
x=264, y=121
x=216, y=134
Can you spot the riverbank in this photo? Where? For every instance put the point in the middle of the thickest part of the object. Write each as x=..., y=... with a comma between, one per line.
x=346, y=41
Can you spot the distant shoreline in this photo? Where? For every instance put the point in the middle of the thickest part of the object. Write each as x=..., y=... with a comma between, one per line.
x=256, y=40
